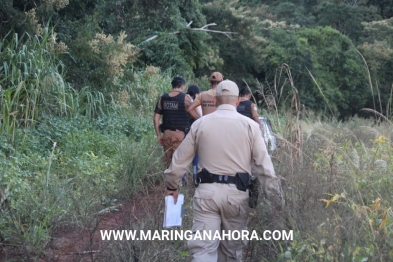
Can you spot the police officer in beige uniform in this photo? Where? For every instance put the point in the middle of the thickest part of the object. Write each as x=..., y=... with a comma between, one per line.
x=206, y=98
x=176, y=121
x=226, y=143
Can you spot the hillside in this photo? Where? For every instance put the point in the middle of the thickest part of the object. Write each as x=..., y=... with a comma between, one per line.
x=79, y=81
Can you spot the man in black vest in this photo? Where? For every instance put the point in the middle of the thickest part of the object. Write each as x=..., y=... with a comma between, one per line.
x=247, y=108
x=176, y=121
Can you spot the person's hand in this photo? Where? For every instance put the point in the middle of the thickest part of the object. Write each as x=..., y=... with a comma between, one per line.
x=173, y=193
x=159, y=138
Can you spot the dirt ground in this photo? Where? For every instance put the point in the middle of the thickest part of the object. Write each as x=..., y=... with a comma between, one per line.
x=86, y=245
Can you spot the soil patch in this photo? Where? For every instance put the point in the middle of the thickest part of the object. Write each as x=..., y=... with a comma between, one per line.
x=86, y=245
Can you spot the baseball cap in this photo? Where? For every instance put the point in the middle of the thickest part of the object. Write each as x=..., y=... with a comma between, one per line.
x=227, y=88
x=216, y=76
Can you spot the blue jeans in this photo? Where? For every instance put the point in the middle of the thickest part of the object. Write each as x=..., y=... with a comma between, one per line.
x=194, y=166
x=195, y=160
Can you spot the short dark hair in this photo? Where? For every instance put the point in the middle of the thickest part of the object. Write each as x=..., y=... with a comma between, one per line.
x=245, y=90
x=193, y=90
x=214, y=82
x=178, y=81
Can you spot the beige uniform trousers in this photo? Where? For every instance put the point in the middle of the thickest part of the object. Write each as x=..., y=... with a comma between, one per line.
x=218, y=207
x=171, y=141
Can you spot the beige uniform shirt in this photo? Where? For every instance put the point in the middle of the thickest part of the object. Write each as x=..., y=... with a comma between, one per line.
x=206, y=100
x=226, y=142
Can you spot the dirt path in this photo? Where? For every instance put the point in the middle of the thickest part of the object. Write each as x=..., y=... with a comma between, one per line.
x=71, y=245
x=76, y=245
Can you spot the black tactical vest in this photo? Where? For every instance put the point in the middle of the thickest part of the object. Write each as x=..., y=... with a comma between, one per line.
x=174, y=112
x=244, y=108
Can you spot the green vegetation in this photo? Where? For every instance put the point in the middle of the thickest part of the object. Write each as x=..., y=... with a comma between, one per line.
x=101, y=43
x=79, y=81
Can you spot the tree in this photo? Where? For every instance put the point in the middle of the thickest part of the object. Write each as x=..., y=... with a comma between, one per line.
x=325, y=66
x=345, y=18
x=378, y=54
x=385, y=7
x=182, y=52
x=293, y=13
x=241, y=55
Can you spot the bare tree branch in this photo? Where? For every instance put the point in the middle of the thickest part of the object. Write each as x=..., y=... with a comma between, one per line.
x=150, y=38
x=203, y=28
x=215, y=31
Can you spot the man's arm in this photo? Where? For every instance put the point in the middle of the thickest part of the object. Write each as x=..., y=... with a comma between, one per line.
x=193, y=106
x=156, y=120
x=191, y=109
x=255, y=115
x=198, y=110
x=194, y=113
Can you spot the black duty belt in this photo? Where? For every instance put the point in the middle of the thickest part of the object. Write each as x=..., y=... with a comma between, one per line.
x=241, y=180
x=223, y=179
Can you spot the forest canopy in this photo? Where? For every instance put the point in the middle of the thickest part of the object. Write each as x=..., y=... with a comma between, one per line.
x=339, y=52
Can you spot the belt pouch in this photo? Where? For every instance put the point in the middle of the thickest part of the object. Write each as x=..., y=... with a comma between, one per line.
x=242, y=180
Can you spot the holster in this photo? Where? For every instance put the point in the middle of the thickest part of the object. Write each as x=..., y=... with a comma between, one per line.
x=243, y=181
x=205, y=176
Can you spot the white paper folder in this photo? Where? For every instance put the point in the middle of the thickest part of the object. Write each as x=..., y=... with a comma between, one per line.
x=172, y=214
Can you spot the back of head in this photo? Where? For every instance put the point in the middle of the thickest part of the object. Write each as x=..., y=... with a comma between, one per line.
x=215, y=78
x=244, y=91
x=178, y=81
x=193, y=90
x=227, y=92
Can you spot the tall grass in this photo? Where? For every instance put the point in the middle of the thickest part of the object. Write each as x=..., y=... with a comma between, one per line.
x=337, y=186
x=141, y=90
x=32, y=84
x=80, y=155
x=338, y=192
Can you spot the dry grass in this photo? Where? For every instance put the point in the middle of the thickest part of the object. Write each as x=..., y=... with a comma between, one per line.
x=337, y=186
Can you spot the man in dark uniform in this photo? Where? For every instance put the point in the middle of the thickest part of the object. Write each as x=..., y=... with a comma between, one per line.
x=176, y=121
x=247, y=108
